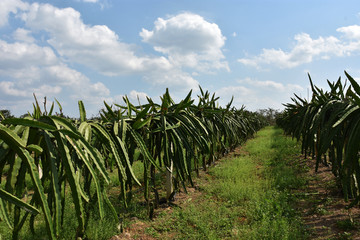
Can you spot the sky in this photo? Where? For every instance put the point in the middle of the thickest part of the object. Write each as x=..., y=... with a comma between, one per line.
x=258, y=51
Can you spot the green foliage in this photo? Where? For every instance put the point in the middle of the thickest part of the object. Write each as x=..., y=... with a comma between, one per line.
x=329, y=130
x=347, y=225
x=52, y=155
x=4, y=114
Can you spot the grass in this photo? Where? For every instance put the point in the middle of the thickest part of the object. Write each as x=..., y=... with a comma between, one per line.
x=261, y=180
x=246, y=197
x=97, y=229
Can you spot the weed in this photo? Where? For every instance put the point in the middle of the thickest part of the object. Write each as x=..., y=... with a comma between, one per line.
x=344, y=236
x=347, y=225
x=151, y=231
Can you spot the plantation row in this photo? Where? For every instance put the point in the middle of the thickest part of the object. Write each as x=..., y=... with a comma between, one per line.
x=329, y=129
x=64, y=156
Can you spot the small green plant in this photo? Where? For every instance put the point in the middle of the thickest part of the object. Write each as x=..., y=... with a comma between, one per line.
x=344, y=236
x=328, y=128
x=152, y=232
x=321, y=210
x=347, y=225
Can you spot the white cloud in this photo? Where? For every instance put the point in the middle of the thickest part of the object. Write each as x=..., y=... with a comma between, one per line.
x=10, y=6
x=48, y=90
x=99, y=48
x=15, y=56
x=189, y=40
x=7, y=88
x=242, y=95
x=304, y=51
x=23, y=35
x=30, y=69
x=351, y=32
x=136, y=96
x=255, y=94
x=79, y=84
x=270, y=85
x=241, y=91
x=27, y=68
x=234, y=34
x=176, y=79
x=95, y=46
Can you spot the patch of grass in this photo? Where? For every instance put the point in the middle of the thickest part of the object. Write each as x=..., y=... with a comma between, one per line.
x=282, y=167
x=237, y=179
x=343, y=236
x=97, y=228
x=152, y=232
x=245, y=197
x=321, y=210
x=347, y=225
x=207, y=219
x=272, y=214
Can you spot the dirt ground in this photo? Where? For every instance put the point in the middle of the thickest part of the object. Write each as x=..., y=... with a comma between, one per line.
x=323, y=208
x=137, y=230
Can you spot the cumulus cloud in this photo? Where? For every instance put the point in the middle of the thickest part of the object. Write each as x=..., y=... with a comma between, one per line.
x=304, y=51
x=19, y=55
x=255, y=94
x=24, y=61
x=136, y=96
x=100, y=48
x=95, y=46
x=240, y=91
x=188, y=46
x=189, y=40
x=7, y=88
x=177, y=79
x=242, y=95
x=271, y=85
x=30, y=69
x=351, y=32
x=23, y=35
x=10, y=6
x=80, y=85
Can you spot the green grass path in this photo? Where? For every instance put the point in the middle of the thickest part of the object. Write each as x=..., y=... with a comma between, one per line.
x=247, y=196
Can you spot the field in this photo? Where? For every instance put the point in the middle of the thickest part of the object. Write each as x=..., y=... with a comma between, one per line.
x=242, y=197
x=52, y=165
x=184, y=171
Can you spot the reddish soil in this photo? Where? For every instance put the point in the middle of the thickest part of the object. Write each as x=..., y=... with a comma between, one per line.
x=323, y=209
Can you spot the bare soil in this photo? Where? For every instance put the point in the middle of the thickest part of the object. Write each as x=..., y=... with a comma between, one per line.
x=323, y=208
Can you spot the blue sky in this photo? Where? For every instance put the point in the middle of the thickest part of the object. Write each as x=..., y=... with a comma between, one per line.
x=94, y=50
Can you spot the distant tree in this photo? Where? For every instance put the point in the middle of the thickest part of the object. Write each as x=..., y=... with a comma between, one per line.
x=269, y=114
x=5, y=114
x=24, y=115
